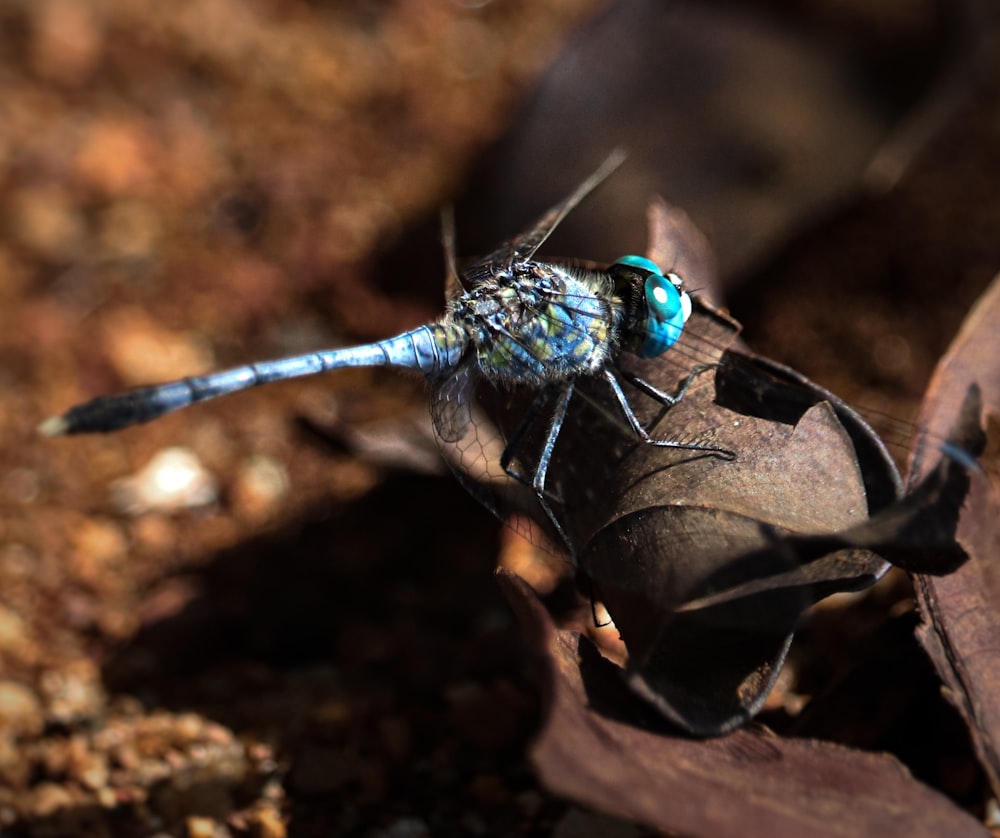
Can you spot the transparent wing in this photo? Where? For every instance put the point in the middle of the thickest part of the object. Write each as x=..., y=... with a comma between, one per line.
x=451, y=403
x=473, y=445
x=525, y=245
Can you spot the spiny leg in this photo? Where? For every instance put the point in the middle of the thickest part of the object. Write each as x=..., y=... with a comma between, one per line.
x=537, y=482
x=643, y=434
x=530, y=415
x=667, y=399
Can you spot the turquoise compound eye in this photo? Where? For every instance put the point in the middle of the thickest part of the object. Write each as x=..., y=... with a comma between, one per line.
x=663, y=298
x=640, y=262
x=667, y=313
x=667, y=306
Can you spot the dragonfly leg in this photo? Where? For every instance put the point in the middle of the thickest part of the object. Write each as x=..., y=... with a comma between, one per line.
x=537, y=482
x=668, y=399
x=643, y=434
x=515, y=438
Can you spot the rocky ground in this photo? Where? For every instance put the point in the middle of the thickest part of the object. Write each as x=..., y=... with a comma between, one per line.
x=290, y=638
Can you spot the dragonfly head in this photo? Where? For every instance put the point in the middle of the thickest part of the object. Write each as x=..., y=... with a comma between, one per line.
x=660, y=306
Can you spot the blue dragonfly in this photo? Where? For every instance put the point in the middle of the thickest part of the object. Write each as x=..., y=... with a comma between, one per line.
x=511, y=320
x=615, y=406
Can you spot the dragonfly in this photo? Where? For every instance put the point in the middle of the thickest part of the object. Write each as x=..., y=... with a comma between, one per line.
x=696, y=553
x=511, y=320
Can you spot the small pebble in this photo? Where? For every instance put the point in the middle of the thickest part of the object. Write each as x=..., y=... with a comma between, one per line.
x=20, y=485
x=91, y=771
x=261, y=484
x=47, y=799
x=174, y=479
x=16, y=772
x=47, y=222
x=20, y=709
x=13, y=632
x=268, y=823
x=65, y=41
x=107, y=797
x=74, y=692
x=204, y=828
x=98, y=547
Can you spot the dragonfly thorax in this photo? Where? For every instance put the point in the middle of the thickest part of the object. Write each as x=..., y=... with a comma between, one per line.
x=539, y=323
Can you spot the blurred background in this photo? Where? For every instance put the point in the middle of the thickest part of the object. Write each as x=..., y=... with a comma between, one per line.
x=291, y=631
